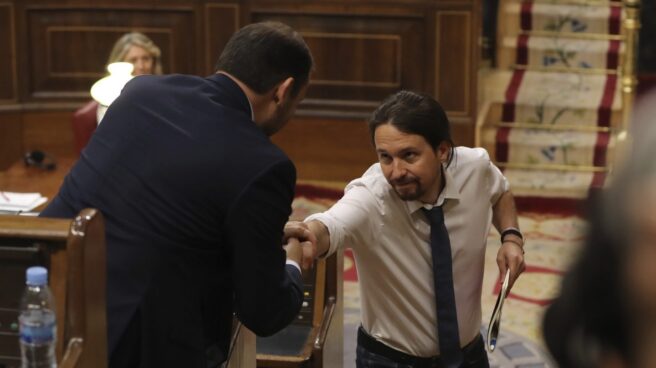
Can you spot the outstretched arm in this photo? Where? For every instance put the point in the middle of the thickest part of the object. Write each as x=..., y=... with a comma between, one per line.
x=346, y=223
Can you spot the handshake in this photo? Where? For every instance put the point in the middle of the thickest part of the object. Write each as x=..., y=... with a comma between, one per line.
x=300, y=243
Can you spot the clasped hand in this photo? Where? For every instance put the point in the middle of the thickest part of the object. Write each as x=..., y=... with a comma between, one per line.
x=300, y=243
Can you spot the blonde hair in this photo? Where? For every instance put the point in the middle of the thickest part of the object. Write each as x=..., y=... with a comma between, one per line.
x=123, y=44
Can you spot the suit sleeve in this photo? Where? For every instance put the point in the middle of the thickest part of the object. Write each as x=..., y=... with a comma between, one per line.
x=268, y=294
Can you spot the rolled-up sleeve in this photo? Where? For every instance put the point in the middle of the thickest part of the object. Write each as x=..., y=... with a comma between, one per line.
x=497, y=182
x=349, y=221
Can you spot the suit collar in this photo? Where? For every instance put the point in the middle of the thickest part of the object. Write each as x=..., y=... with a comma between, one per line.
x=232, y=95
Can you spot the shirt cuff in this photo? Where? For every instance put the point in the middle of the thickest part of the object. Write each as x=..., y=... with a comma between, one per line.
x=295, y=264
x=333, y=232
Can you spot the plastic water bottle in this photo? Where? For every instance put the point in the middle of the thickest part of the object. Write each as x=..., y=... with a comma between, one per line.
x=38, y=329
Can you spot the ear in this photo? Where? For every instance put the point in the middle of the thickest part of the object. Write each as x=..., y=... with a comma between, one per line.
x=283, y=91
x=443, y=151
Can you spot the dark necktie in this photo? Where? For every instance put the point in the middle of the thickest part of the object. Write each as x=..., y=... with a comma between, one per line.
x=445, y=300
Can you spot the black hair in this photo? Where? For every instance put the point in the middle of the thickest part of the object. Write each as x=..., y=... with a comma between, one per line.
x=262, y=55
x=414, y=113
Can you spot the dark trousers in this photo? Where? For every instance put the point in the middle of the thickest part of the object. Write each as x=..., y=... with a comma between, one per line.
x=374, y=354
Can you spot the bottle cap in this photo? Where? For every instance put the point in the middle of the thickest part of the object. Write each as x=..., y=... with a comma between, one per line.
x=37, y=276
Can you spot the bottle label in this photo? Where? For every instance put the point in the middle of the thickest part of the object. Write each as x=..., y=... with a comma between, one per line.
x=37, y=327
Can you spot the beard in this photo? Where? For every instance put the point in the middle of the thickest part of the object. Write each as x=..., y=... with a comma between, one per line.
x=408, y=189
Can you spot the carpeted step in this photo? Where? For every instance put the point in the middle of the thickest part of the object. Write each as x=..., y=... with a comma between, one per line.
x=541, y=147
x=545, y=108
x=565, y=98
x=590, y=18
x=553, y=183
x=561, y=53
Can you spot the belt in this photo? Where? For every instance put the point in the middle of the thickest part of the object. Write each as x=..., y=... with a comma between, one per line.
x=371, y=344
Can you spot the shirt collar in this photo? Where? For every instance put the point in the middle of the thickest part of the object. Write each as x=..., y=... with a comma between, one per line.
x=450, y=191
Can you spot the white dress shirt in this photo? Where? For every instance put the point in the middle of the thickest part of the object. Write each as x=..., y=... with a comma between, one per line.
x=391, y=241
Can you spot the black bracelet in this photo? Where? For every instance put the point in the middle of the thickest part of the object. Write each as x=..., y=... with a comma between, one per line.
x=513, y=231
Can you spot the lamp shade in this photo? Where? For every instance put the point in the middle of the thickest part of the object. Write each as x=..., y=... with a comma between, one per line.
x=108, y=88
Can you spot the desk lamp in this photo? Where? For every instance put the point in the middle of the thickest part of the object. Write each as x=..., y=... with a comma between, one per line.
x=107, y=89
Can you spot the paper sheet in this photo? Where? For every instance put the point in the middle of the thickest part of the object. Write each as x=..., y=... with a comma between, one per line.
x=20, y=202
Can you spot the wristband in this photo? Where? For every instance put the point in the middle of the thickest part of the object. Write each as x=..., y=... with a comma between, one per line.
x=513, y=231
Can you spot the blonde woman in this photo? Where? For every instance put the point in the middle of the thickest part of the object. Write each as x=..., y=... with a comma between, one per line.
x=135, y=48
x=139, y=50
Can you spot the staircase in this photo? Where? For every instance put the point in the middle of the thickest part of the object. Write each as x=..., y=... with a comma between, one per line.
x=554, y=105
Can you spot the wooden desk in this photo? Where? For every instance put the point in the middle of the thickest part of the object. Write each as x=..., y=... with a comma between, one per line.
x=21, y=178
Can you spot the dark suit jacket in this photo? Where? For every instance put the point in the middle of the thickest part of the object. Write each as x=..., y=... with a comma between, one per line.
x=195, y=198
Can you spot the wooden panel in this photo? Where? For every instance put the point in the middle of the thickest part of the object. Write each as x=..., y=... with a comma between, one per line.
x=359, y=59
x=453, y=67
x=221, y=21
x=8, y=85
x=324, y=149
x=11, y=147
x=243, y=353
x=48, y=131
x=364, y=50
x=462, y=133
x=68, y=48
x=380, y=53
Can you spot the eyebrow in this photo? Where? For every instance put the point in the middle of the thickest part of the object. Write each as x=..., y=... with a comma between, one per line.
x=402, y=150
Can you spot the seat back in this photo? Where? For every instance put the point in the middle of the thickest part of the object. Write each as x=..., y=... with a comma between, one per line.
x=84, y=123
x=74, y=253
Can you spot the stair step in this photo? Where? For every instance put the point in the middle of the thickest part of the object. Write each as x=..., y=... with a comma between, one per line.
x=551, y=167
x=580, y=150
x=573, y=35
x=597, y=19
x=562, y=54
x=617, y=3
x=554, y=98
x=561, y=69
x=550, y=115
x=553, y=127
x=573, y=91
x=553, y=183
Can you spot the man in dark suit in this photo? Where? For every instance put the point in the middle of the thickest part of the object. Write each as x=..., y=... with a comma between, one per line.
x=195, y=198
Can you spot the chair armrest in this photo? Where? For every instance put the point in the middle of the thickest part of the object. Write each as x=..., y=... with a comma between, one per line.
x=327, y=318
x=73, y=353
